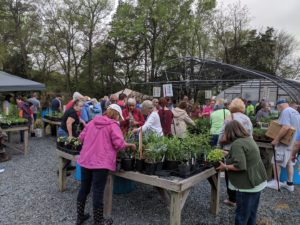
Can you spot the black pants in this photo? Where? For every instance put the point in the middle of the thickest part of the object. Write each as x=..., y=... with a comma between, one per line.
x=231, y=193
x=95, y=178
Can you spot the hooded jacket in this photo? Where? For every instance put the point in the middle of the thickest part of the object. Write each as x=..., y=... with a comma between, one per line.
x=102, y=139
x=181, y=119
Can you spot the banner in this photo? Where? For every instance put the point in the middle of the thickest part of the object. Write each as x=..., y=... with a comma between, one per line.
x=168, y=90
x=156, y=92
x=208, y=94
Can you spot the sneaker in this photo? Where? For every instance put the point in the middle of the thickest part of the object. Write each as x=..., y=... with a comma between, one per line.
x=2, y=170
x=290, y=188
x=273, y=184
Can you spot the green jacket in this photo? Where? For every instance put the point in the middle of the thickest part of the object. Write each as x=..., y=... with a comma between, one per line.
x=244, y=155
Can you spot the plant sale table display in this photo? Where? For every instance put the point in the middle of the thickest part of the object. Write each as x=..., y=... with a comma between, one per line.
x=174, y=190
x=9, y=124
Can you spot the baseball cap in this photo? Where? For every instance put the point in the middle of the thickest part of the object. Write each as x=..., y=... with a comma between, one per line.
x=117, y=108
x=281, y=101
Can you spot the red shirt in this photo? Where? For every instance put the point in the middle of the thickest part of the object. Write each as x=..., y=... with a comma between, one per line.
x=137, y=116
x=70, y=105
x=166, y=119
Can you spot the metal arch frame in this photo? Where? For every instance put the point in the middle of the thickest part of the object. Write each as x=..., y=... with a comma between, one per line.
x=290, y=87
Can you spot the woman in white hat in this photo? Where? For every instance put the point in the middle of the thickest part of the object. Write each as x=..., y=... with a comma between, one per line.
x=102, y=138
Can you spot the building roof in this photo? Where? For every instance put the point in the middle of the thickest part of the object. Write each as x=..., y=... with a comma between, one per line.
x=9, y=82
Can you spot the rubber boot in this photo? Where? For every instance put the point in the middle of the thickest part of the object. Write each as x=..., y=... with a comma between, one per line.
x=99, y=219
x=81, y=217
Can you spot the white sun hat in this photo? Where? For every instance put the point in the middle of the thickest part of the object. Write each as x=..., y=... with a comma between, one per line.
x=117, y=108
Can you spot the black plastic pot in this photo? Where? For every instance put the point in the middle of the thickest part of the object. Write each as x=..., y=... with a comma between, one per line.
x=159, y=165
x=139, y=165
x=184, y=170
x=150, y=168
x=171, y=164
x=127, y=164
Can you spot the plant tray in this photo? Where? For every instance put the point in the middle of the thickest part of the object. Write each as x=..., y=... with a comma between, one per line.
x=67, y=150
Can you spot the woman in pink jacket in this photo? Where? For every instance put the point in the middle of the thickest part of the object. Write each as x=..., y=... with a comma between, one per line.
x=102, y=138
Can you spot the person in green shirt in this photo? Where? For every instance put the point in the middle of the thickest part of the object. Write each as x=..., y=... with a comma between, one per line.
x=250, y=110
x=246, y=172
x=217, y=119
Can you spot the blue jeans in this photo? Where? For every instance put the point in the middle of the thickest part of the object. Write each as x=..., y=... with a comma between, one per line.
x=246, y=208
x=62, y=133
x=95, y=178
x=214, y=140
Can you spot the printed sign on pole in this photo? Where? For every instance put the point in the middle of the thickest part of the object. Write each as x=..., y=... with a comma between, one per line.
x=168, y=90
x=208, y=94
x=156, y=91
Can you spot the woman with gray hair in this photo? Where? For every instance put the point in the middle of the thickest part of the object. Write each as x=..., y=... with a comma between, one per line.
x=133, y=117
x=152, y=123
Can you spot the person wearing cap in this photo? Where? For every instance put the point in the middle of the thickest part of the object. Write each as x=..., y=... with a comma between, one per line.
x=289, y=117
x=133, y=117
x=102, y=138
x=152, y=123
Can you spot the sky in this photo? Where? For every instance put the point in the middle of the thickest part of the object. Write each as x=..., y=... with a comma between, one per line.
x=279, y=14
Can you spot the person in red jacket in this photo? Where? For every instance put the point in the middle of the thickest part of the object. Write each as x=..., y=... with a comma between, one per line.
x=133, y=117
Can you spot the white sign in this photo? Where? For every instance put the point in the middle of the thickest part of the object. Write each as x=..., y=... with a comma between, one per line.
x=208, y=94
x=156, y=91
x=168, y=90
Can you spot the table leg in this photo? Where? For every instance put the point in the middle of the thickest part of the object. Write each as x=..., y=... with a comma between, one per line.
x=108, y=195
x=175, y=208
x=26, y=142
x=61, y=174
x=215, y=193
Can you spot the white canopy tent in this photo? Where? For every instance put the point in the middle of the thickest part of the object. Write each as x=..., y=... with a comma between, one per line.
x=133, y=93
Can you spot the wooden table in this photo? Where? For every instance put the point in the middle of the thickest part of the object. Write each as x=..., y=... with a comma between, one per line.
x=56, y=123
x=26, y=135
x=174, y=192
x=51, y=122
x=267, y=153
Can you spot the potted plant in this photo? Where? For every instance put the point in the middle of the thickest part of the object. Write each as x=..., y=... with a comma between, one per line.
x=138, y=162
x=154, y=156
x=38, y=128
x=60, y=142
x=215, y=156
x=173, y=149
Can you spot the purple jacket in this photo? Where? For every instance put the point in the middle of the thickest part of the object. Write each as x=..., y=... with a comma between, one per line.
x=102, y=138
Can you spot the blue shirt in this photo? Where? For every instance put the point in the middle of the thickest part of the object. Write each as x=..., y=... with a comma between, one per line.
x=290, y=117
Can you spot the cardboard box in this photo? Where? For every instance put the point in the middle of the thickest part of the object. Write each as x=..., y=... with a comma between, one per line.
x=274, y=129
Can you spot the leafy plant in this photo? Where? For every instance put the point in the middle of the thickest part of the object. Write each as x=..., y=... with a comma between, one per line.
x=202, y=126
x=38, y=124
x=61, y=139
x=155, y=151
x=215, y=155
x=259, y=132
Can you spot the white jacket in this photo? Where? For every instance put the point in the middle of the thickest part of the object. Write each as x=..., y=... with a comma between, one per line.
x=181, y=119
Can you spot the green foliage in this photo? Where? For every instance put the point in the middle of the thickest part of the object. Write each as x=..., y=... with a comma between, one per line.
x=259, y=132
x=215, y=155
x=202, y=126
x=266, y=119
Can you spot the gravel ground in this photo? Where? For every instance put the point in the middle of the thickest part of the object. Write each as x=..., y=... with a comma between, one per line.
x=29, y=196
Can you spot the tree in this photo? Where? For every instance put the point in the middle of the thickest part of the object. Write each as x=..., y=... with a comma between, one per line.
x=92, y=13
x=20, y=27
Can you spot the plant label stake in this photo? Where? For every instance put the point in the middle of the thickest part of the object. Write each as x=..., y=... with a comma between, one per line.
x=141, y=144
